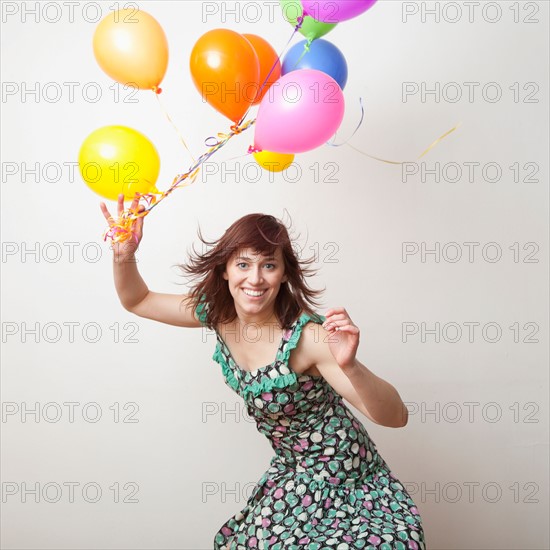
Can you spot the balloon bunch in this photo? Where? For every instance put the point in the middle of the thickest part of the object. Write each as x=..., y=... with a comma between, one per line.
x=232, y=72
x=301, y=101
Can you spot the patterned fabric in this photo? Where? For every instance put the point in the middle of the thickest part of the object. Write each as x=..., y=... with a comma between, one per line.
x=327, y=486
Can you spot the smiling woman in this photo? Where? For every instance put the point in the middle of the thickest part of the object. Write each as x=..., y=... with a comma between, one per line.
x=254, y=254
x=327, y=485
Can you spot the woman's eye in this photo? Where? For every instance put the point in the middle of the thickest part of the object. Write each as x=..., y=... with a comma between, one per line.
x=241, y=263
x=272, y=266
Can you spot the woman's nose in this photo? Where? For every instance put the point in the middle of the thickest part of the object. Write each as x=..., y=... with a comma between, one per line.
x=255, y=276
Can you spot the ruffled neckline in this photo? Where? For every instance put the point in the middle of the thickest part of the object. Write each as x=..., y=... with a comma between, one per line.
x=287, y=335
x=263, y=379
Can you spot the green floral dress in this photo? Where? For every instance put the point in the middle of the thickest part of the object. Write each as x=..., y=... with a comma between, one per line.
x=327, y=486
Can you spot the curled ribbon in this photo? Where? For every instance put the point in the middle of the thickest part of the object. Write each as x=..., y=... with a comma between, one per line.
x=121, y=231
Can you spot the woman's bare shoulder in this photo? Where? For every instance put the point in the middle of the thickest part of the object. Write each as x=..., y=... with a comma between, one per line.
x=311, y=347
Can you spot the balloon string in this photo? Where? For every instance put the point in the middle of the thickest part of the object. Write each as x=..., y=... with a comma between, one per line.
x=157, y=95
x=403, y=162
x=355, y=131
x=194, y=170
x=250, y=150
x=440, y=138
x=307, y=47
x=346, y=142
x=122, y=230
x=298, y=26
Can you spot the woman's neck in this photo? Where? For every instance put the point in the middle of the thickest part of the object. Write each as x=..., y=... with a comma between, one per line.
x=262, y=319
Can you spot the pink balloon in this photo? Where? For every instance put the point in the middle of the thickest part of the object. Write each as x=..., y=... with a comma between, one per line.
x=301, y=111
x=334, y=11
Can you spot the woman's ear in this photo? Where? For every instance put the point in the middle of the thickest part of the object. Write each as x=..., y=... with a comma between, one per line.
x=225, y=276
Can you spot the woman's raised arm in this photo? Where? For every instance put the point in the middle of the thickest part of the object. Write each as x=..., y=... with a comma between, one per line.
x=133, y=293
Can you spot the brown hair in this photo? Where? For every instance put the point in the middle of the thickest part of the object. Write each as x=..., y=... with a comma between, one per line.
x=263, y=233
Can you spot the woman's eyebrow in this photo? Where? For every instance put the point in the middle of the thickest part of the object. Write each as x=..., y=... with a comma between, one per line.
x=249, y=260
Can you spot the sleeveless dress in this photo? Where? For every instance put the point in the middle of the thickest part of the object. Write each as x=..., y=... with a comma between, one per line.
x=327, y=487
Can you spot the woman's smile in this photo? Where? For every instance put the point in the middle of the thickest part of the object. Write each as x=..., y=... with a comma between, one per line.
x=254, y=294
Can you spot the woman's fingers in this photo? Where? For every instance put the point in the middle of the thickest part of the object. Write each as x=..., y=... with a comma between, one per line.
x=336, y=316
x=135, y=203
x=337, y=325
x=106, y=213
x=136, y=208
x=120, y=204
x=335, y=310
x=336, y=319
x=349, y=328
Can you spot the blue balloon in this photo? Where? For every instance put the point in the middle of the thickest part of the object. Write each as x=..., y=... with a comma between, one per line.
x=323, y=56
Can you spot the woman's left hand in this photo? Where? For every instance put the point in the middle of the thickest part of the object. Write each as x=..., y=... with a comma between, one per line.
x=344, y=339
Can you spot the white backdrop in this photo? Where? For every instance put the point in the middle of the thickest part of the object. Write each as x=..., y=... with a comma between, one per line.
x=462, y=338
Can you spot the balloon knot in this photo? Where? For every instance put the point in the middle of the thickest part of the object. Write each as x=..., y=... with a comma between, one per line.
x=236, y=129
x=157, y=90
x=253, y=149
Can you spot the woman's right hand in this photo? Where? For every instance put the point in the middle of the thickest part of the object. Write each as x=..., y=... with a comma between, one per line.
x=125, y=251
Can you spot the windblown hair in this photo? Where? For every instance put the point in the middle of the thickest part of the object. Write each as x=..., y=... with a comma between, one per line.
x=263, y=234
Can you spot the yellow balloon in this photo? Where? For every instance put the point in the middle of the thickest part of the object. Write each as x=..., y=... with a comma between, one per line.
x=274, y=162
x=118, y=159
x=131, y=47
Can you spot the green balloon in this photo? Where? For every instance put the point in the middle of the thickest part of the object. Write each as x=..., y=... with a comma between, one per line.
x=311, y=28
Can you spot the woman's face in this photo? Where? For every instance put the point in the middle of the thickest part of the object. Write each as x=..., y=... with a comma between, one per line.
x=254, y=280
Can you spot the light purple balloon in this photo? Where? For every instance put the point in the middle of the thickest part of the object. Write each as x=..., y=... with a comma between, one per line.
x=335, y=11
x=301, y=111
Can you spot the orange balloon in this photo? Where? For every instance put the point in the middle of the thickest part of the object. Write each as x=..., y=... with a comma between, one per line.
x=268, y=57
x=226, y=71
x=131, y=47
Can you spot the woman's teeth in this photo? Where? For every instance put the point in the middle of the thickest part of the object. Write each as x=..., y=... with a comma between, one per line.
x=254, y=293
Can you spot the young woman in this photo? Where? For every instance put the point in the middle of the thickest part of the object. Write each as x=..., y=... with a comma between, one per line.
x=327, y=485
